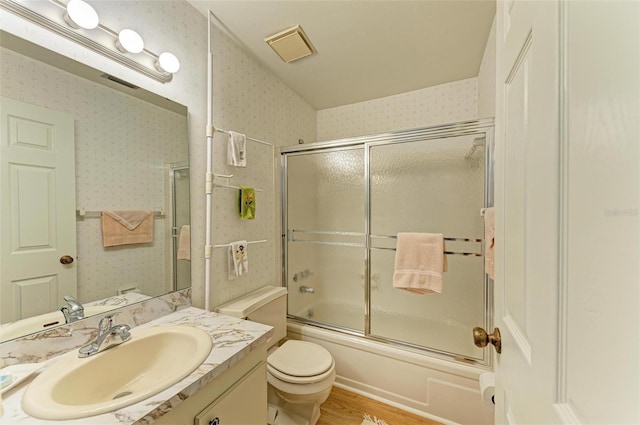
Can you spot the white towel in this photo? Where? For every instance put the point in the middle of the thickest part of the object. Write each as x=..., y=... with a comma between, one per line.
x=184, y=243
x=238, y=259
x=237, y=149
x=419, y=262
x=489, y=241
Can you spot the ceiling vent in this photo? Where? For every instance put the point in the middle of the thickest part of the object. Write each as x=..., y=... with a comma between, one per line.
x=291, y=44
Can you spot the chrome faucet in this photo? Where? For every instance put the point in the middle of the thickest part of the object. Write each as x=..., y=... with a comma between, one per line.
x=107, y=330
x=73, y=311
x=306, y=290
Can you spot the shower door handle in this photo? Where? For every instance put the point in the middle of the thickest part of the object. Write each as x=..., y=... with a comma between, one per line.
x=481, y=338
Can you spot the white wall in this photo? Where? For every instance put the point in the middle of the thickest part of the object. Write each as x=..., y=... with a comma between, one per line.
x=167, y=25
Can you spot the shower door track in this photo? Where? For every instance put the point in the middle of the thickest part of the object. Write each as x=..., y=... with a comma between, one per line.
x=482, y=128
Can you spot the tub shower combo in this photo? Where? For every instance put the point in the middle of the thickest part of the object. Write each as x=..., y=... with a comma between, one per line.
x=343, y=204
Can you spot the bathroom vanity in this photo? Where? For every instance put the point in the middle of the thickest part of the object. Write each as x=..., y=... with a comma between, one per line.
x=230, y=384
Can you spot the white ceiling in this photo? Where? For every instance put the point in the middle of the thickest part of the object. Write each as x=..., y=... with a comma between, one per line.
x=366, y=48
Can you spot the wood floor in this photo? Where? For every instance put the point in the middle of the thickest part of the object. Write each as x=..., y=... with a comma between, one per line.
x=346, y=408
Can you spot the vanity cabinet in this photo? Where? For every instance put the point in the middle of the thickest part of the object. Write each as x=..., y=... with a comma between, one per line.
x=241, y=404
x=237, y=397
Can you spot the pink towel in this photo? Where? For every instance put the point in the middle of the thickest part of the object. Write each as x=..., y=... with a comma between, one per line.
x=489, y=241
x=184, y=243
x=420, y=261
x=126, y=227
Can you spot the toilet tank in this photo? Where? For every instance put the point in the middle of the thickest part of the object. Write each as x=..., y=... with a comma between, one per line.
x=267, y=305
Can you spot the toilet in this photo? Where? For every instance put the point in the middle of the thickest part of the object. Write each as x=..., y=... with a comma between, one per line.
x=300, y=374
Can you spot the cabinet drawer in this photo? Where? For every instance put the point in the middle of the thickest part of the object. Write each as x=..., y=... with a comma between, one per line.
x=245, y=403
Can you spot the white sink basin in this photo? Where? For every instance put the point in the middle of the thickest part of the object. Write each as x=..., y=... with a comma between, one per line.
x=152, y=360
x=43, y=322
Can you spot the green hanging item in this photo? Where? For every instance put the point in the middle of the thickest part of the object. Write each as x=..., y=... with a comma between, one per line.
x=247, y=203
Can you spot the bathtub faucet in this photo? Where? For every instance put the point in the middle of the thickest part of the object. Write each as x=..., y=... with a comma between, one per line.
x=302, y=275
x=306, y=290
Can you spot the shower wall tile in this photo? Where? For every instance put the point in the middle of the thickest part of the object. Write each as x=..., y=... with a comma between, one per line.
x=119, y=166
x=487, y=78
x=249, y=99
x=445, y=103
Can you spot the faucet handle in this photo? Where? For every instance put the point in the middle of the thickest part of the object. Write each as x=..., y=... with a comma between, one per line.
x=73, y=303
x=73, y=310
x=106, y=323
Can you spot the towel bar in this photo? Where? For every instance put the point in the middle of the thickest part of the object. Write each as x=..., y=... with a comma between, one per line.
x=219, y=130
x=324, y=232
x=292, y=238
x=248, y=243
x=469, y=254
x=97, y=214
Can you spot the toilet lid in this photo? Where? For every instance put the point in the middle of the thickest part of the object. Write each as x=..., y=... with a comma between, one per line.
x=301, y=359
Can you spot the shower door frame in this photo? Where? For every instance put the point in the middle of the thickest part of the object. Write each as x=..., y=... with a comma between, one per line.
x=482, y=128
x=174, y=229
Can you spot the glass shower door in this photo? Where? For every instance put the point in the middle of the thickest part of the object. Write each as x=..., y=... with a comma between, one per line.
x=181, y=217
x=430, y=186
x=324, y=249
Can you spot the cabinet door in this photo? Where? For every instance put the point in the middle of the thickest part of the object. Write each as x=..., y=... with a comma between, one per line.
x=243, y=404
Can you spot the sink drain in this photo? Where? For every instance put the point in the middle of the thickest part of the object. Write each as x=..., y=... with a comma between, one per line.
x=122, y=394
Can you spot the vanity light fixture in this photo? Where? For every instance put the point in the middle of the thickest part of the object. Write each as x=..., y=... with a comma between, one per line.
x=129, y=41
x=81, y=15
x=168, y=62
x=125, y=47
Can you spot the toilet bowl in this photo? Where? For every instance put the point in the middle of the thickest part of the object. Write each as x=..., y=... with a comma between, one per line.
x=301, y=374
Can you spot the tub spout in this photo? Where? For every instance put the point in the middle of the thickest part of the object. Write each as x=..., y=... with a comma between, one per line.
x=306, y=290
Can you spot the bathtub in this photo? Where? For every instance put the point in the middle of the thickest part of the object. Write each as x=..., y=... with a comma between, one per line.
x=434, y=388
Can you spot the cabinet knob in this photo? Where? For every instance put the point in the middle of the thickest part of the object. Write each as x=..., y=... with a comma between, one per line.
x=214, y=421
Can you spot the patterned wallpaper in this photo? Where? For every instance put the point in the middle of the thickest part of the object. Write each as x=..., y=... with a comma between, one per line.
x=445, y=103
x=249, y=99
x=121, y=145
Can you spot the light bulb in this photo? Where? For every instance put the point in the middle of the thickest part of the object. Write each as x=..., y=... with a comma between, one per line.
x=81, y=15
x=168, y=62
x=129, y=41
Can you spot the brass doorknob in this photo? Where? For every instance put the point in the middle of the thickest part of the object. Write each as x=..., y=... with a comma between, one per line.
x=66, y=259
x=481, y=338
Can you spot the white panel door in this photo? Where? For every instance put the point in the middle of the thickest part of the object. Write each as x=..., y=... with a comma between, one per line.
x=527, y=210
x=37, y=218
x=567, y=212
x=599, y=368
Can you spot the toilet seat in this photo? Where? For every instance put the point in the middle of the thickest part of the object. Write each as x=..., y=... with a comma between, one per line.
x=300, y=362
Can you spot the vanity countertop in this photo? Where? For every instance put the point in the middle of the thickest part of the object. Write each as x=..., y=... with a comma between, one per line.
x=232, y=339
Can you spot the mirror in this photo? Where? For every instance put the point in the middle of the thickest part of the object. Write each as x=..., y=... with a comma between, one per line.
x=126, y=150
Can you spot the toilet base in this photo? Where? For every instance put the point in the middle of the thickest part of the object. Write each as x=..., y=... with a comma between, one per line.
x=295, y=413
x=279, y=416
